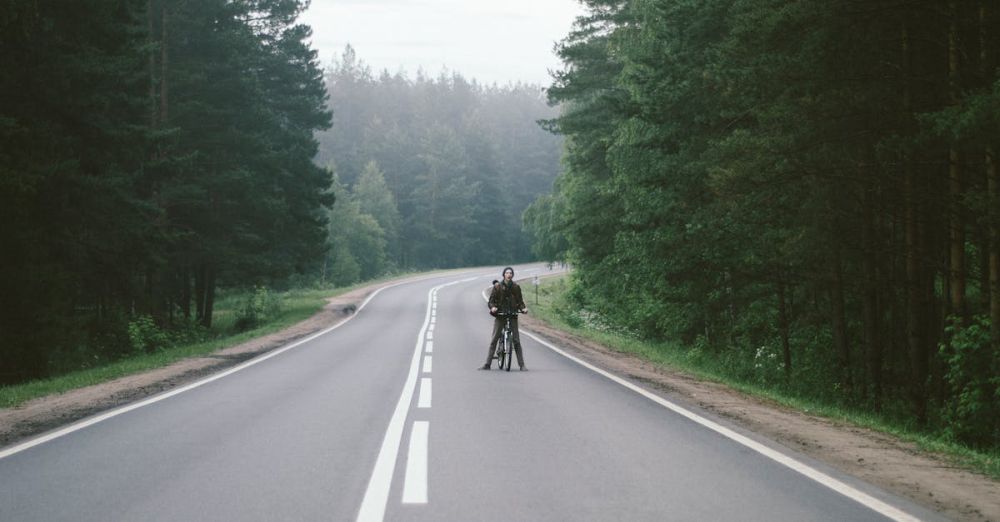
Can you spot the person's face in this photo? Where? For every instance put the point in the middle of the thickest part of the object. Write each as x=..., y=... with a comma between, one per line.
x=508, y=275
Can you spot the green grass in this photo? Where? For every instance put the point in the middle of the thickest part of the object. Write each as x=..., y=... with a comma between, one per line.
x=296, y=306
x=552, y=303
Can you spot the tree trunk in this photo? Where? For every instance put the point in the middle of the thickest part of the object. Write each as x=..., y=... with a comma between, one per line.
x=186, y=293
x=199, y=293
x=872, y=326
x=993, y=184
x=956, y=225
x=206, y=319
x=163, y=68
x=840, y=341
x=783, y=321
x=152, y=64
x=992, y=194
x=914, y=277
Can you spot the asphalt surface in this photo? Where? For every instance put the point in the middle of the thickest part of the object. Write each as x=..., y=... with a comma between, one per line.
x=368, y=422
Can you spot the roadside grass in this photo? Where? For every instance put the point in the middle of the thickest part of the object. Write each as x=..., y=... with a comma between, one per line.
x=550, y=309
x=295, y=306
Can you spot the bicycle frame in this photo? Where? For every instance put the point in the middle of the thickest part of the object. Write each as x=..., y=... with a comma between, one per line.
x=505, y=352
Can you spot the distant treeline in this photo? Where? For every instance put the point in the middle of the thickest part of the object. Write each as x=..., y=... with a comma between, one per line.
x=150, y=151
x=443, y=167
x=807, y=190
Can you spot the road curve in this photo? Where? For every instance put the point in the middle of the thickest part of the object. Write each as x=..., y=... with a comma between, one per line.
x=386, y=418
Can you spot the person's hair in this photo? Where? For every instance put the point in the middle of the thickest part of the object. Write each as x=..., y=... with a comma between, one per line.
x=511, y=272
x=495, y=281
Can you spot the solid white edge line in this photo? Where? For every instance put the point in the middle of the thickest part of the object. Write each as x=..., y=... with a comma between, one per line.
x=858, y=496
x=854, y=494
x=428, y=364
x=424, y=400
x=415, y=484
x=157, y=398
x=377, y=492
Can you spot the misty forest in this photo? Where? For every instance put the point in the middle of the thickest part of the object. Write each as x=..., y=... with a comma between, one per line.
x=801, y=195
x=157, y=152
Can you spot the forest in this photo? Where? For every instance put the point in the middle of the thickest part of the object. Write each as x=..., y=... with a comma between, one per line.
x=805, y=192
x=155, y=154
x=444, y=166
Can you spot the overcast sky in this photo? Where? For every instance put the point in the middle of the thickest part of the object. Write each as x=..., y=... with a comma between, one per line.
x=489, y=40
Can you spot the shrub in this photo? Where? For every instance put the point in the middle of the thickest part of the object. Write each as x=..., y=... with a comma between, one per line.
x=260, y=306
x=972, y=412
x=145, y=337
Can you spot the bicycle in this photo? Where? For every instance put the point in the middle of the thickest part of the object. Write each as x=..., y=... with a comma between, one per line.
x=505, y=347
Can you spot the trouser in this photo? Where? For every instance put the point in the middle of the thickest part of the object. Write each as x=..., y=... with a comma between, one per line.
x=515, y=337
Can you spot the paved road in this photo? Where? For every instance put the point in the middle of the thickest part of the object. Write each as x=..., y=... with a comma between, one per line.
x=386, y=418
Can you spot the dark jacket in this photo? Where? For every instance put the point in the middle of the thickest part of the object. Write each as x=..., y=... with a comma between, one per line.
x=507, y=299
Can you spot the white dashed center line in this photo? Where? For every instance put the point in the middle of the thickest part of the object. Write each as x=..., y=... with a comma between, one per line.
x=415, y=486
x=425, y=393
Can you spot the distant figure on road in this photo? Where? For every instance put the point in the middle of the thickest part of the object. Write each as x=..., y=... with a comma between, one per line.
x=505, y=298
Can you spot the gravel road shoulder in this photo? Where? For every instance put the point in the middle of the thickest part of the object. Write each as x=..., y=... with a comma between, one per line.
x=900, y=467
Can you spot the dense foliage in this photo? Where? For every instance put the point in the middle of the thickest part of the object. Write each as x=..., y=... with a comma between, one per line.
x=150, y=151
x=806, y=190
x=445, y=166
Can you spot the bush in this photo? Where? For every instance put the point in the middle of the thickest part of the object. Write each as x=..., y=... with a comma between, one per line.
x=261, y=305
x=972, y=411
x=145, y=337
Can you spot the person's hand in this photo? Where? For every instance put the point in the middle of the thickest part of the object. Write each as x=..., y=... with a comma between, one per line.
x=493, y=310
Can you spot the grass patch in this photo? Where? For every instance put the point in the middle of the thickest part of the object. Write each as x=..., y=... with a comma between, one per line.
x=295, y=306
x=553, y=308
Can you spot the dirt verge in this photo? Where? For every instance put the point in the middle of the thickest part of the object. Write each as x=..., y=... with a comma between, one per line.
x=900, y=467
x=47, y=413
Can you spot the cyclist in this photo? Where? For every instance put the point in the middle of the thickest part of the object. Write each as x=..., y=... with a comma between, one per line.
x=505, y=298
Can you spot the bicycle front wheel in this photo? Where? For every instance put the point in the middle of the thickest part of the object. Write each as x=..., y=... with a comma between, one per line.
x=501, y=355
x=508, y=347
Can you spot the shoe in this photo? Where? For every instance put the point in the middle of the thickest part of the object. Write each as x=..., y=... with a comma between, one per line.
x=484, y=367
x=524, y=368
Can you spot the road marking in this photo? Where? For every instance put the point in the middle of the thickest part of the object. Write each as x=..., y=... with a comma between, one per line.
x=433, y=319
x=415, y=485
x=430, y=328
x=430, y=346
x=858, y=496
x=424, y=400
x=430, y=335
x=428, y=364
x=125, y=409
x=377, y=493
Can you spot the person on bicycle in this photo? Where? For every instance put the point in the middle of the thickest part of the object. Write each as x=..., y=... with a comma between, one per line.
x=506, y=298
